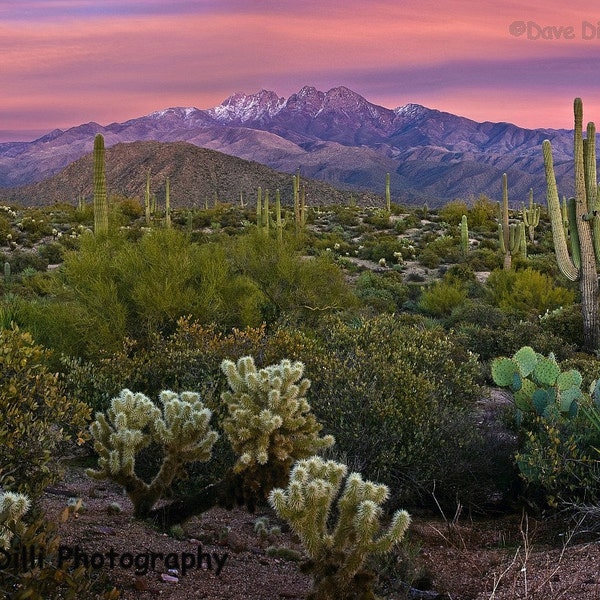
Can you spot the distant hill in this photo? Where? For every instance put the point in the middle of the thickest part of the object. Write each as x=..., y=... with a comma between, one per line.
x=337, y=137
x=195, y=176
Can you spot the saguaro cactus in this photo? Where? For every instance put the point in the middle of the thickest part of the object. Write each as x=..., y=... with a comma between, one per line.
x=337, y=555
x=299, y=204
x=100, y=196
x=147, y=198
x=464, y=235
x=531, y=216
x=168, y=204
x=510, y=237
x=584, y=225
x=388, y=201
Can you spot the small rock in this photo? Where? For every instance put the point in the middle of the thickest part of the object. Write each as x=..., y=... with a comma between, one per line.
x=168, y=578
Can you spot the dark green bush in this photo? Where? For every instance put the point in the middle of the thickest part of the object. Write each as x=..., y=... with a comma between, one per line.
x=399, y=400
x=384, y=292
x=37, y=416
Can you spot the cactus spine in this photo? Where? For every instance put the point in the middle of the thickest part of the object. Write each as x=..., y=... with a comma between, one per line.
x=583, y=225
x=509, y=234
x=100, y=196
x=531, y=216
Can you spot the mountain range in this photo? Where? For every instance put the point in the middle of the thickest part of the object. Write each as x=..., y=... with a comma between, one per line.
x=336, y=137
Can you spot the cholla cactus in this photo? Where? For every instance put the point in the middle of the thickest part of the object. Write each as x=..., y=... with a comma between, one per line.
x=269, y=422
x=132, y=422
x=12, y=509
x=337, y=556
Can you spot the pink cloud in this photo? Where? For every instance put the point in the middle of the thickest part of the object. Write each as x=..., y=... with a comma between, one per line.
x=67, y=62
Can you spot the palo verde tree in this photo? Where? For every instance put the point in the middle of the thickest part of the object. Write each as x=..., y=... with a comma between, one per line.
x=584, y=224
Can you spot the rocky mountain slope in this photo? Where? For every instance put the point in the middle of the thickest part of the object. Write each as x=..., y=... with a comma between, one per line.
x=337, y=137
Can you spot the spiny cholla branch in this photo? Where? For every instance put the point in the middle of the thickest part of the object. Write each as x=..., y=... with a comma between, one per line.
x=337, y=556
x=132, y=422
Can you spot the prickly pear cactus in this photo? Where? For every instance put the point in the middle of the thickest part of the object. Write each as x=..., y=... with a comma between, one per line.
x=537, y=382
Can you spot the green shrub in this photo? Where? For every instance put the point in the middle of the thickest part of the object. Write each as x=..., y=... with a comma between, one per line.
x=384, y=293
x=453, y=211
x=52, y=252
x=441, y=298
x=399, y=398
x=37, y=416
x=565, y=322
x=527, y=292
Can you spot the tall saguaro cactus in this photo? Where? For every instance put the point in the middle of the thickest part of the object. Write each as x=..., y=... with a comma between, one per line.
x=584, y=225
x=168, y=204
x=509, y=234
x=388, y=200
x=531, y=216
x=100, y=197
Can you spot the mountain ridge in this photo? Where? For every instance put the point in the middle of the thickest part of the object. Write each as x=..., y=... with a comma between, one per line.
x=337, y=136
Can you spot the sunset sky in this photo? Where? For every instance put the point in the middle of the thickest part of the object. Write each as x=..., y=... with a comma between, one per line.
x=68, y=62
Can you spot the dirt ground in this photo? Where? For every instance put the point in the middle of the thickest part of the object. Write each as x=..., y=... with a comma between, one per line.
x=508, y=558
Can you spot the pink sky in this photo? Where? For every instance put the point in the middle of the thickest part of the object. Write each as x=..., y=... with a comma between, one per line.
x=68, y=62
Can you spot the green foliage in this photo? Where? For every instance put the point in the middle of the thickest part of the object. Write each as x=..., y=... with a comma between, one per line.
x=441, y=298
x=527, y=292
x=116, y=288
x=566, y=322
x=51, y=579
x=453, y=211
x=558, y=456
x=483, y=214
x=181, y=429
x=337, y=554
x=32, y=403
x=394, y=394
x=384, y=293
x=290, y=283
